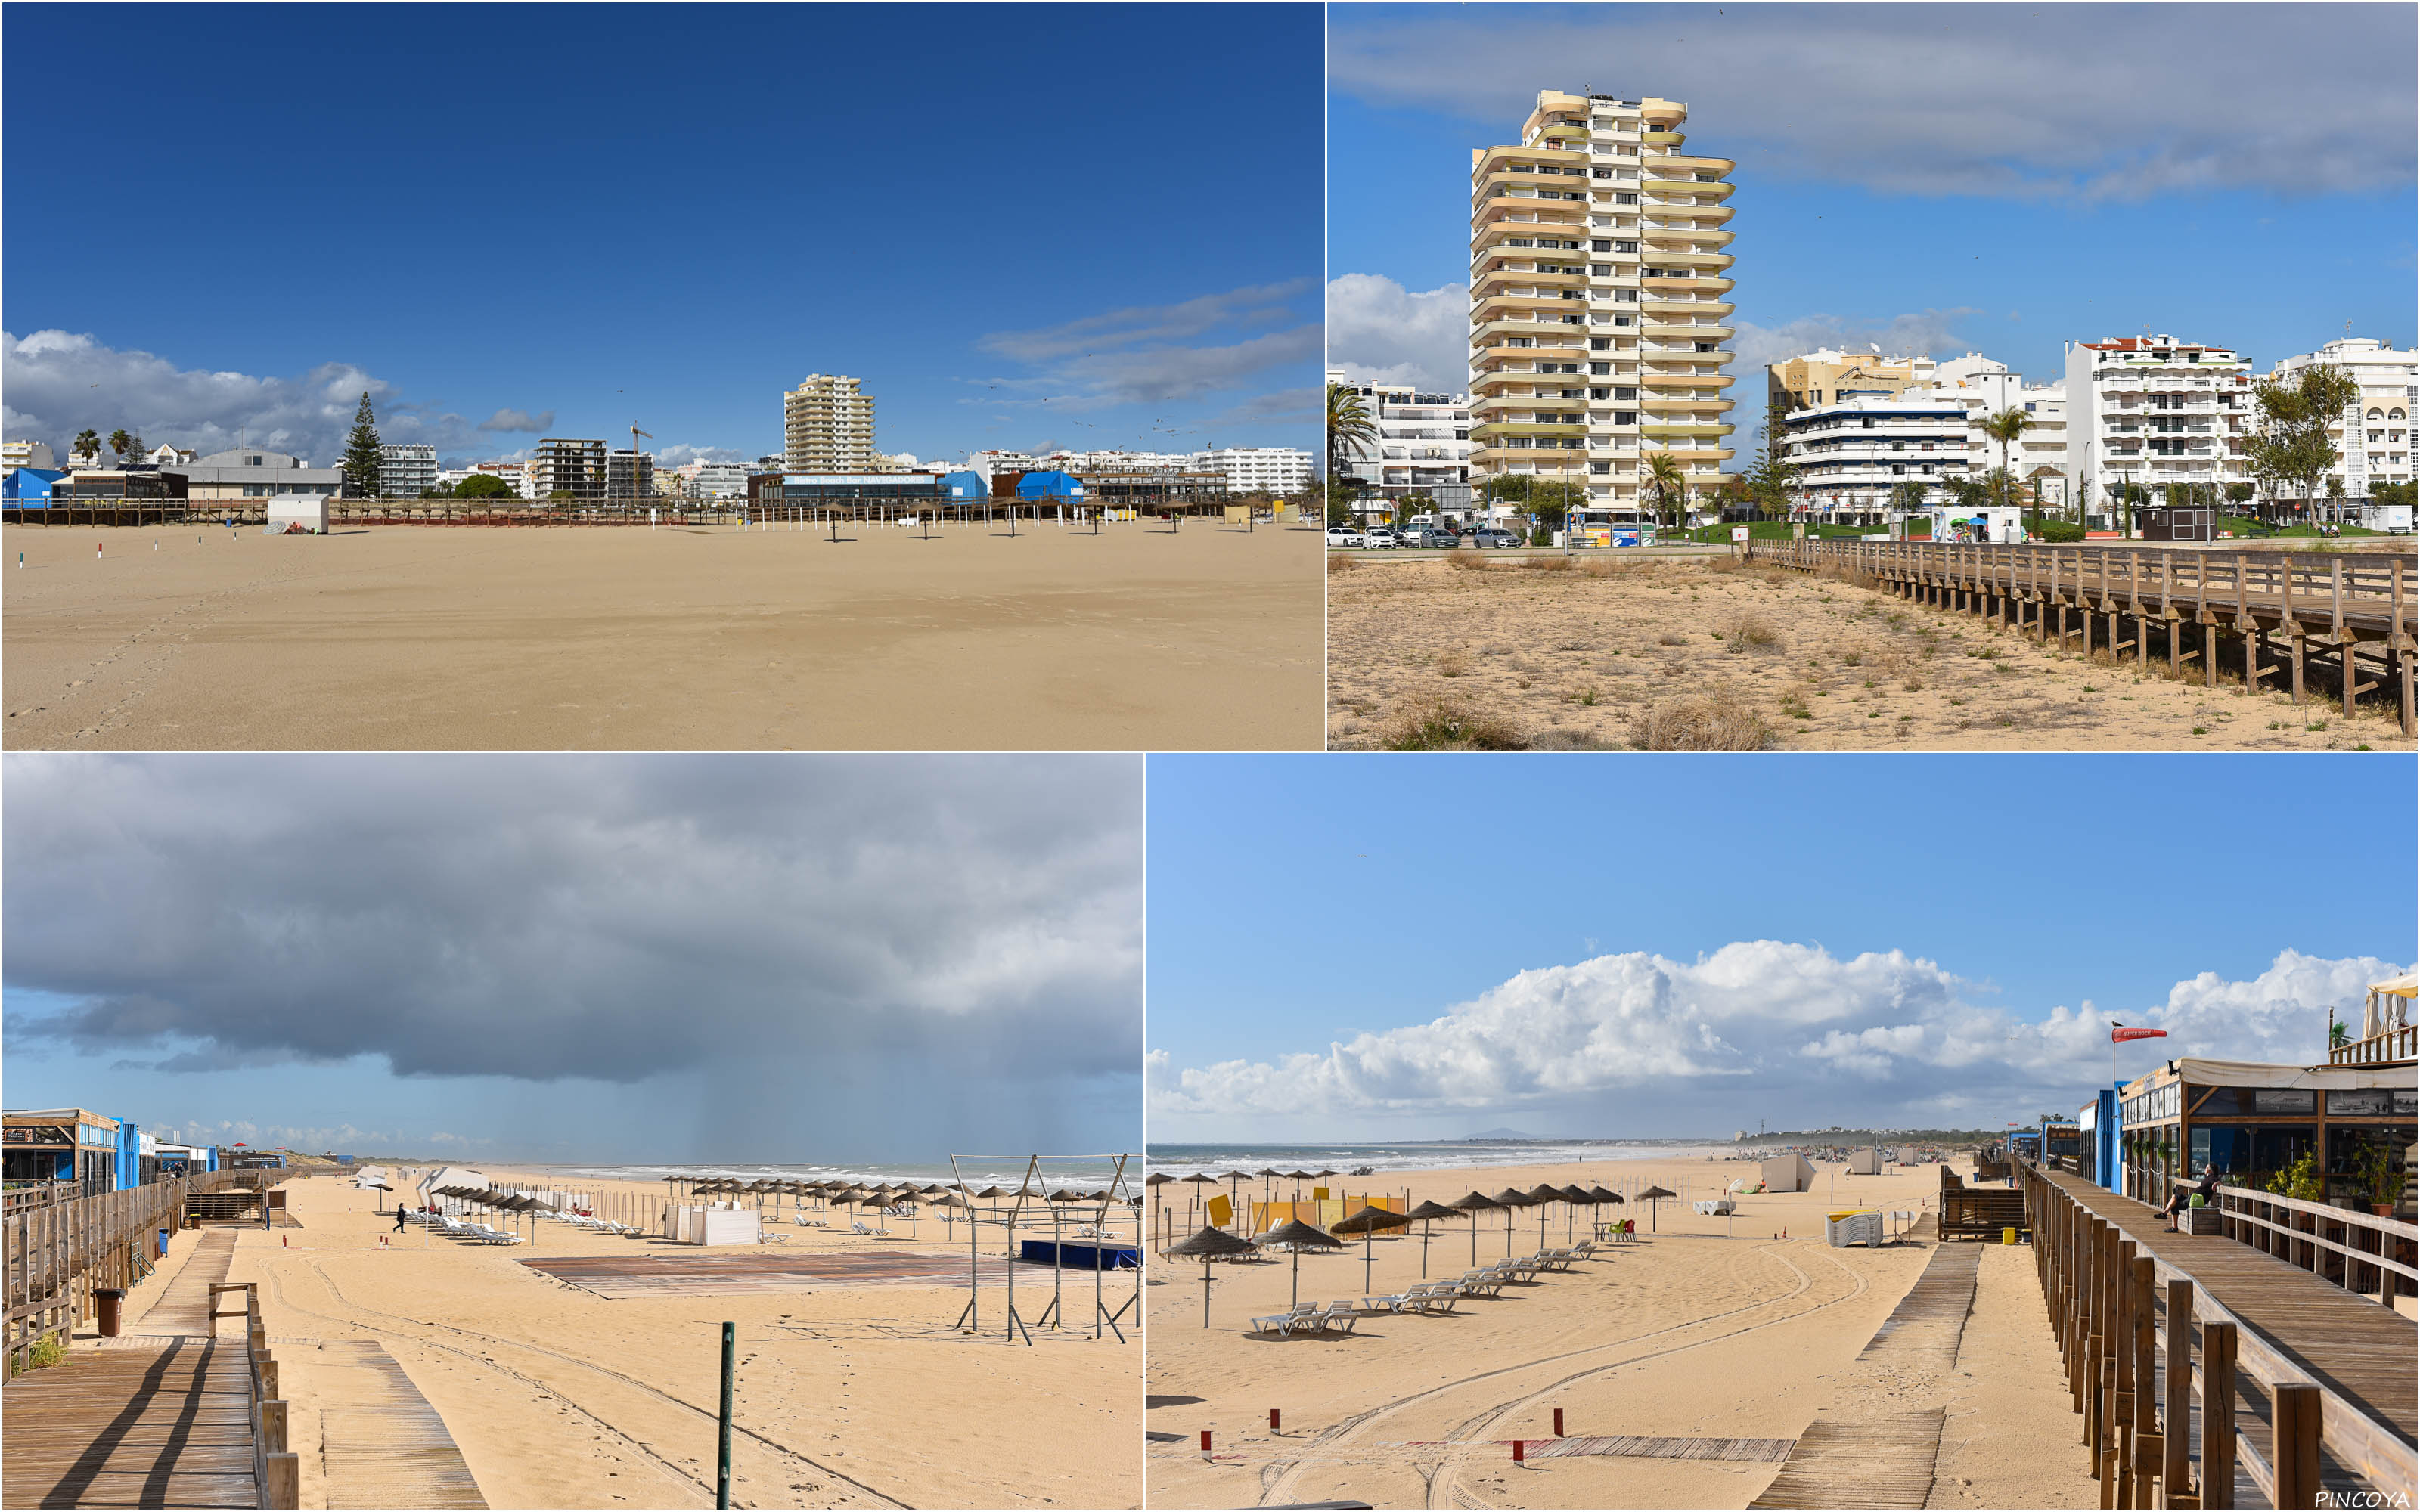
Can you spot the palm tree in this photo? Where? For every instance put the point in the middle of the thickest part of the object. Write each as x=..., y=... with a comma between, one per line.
x=1350, y=430
x=1669, y=484
x=88, y=445
x=119, y=443
x=2004, y=427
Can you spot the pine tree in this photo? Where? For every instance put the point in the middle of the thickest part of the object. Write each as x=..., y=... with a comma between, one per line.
x=361, y=464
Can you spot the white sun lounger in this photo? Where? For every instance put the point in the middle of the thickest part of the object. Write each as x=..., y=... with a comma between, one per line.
x=1285, y=1323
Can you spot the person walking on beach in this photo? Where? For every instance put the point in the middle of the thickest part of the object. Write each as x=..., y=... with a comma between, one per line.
x=398, y=1217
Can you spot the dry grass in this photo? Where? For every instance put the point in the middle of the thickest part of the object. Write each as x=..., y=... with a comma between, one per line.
x=1439, y=724
x=1467, y=561
x=1720, y=720
x=1339, y=565
x=1749, y=631
x=1621, y=653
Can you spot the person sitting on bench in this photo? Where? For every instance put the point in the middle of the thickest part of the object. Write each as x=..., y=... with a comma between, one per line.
x=2206, y=1189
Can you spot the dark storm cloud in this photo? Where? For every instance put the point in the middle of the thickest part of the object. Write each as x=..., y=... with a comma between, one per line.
x=549, y=918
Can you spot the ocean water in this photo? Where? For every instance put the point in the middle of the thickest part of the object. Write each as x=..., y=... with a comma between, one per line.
x=1083, y=1175
x=1409, y=1155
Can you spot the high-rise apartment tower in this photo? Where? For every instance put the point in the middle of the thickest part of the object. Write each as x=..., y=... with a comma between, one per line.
x=1599, y=296
x=827, y=427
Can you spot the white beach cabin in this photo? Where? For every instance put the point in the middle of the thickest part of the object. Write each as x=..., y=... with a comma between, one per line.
x=306, y=512
x=1866, y=1162
x=1788, y=1173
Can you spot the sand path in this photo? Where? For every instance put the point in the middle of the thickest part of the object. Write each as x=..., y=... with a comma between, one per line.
x=403, y=638
x=1688, y=1334
x=848, y=1396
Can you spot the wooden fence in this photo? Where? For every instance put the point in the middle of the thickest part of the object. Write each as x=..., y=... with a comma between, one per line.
x=2136, y=1363
x=59, y=1254
x=2358, y=1251
x=2378, y=1050
x=275, y=1469
x=2333, y=603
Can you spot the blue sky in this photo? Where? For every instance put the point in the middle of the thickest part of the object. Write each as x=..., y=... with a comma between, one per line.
x=613, y=958
x=1971, y=178
x=1019, y=226
x=1425, y=888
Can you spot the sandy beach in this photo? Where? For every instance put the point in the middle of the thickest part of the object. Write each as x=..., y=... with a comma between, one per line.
x=849, y=1396
x=1622, y=655
x=404, y=638
x=1686, y=1333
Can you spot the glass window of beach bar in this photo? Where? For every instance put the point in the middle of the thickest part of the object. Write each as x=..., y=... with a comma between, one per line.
x=74, y=1146
x=2250, y=1121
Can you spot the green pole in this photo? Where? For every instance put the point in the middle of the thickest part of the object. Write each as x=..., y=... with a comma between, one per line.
x=722, y=1448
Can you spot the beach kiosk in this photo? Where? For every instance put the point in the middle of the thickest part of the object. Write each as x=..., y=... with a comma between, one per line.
x=2249, y=1120
x=1866, y=1162
x=1788, y=1173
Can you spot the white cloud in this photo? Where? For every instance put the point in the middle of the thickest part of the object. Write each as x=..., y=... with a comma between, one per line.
x=519, y=419
x=2038, y=103
x=60, y=382
x=1142, y=355
x=1888, y=1033
x=1379, y=330
x=680, y=453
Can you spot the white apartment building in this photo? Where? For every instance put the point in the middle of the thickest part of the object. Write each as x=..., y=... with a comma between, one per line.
x=515, y=474
x=2375, y=442
x=15, y=454
x=1599, y=288
x=406, y=470
x=2152, y=411
x=1269, y=469
x=827, y=427
x=1985, y=387
x=1853, y=455
x=1423, y=442
x=715, y=480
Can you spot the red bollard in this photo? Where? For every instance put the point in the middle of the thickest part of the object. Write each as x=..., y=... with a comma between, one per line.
x=1559, y=1422
x=1516, y=1451
x=1205, y=1444
x=1272, y=1420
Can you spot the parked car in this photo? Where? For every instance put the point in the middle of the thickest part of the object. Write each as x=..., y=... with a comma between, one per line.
x=1491, y=536
x=1382, y=536
x=1423, y=538
x=1344, y=536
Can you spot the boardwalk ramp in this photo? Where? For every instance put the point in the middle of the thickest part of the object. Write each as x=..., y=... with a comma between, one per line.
x=1873, y=1462
x=169, y=1424
x=380, y=1443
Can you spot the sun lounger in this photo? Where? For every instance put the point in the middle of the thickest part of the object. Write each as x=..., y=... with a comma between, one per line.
x=1584, y=1250
x=1284, y=1324
x=1432, y=1296
x=857, y=1227
x=1342, y=1314
x=1393, y=1303
x=1486, y=1285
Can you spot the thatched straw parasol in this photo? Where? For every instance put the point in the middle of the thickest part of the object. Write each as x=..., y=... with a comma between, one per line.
x=1367, y=1223
x=1423, y=1215
x=1211, y=1244
x=1545, y=1194
x=1471, y=1202
x=1651, y=1196
x=1508, y=1200
x=1295, y=1235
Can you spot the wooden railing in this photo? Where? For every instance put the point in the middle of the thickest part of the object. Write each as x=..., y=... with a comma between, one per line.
x=59, y=1254
x=2119, y=1312
x=275, y=1469
x=2395, y=1045
x=2296, y=1232
x=2338, y=586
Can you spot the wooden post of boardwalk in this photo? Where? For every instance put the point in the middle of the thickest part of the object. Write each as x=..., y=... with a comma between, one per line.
x=2294, y=1442
x=2175, y=1412
x=2146, y=1455
x=2218, y=1415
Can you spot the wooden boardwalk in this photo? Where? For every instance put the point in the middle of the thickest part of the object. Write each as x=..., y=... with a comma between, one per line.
x=2335, y=604
x=700, y=1275
x=380, y=1443
x=2352, y=1346
x=1633, y=1446
x=1878, y=1463
x=164, y=1426
x=184, y=1306
x=1925, y=1327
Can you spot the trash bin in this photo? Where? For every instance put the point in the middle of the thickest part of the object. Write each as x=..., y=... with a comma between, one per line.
x=163, y=1244
x=112, y=1298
